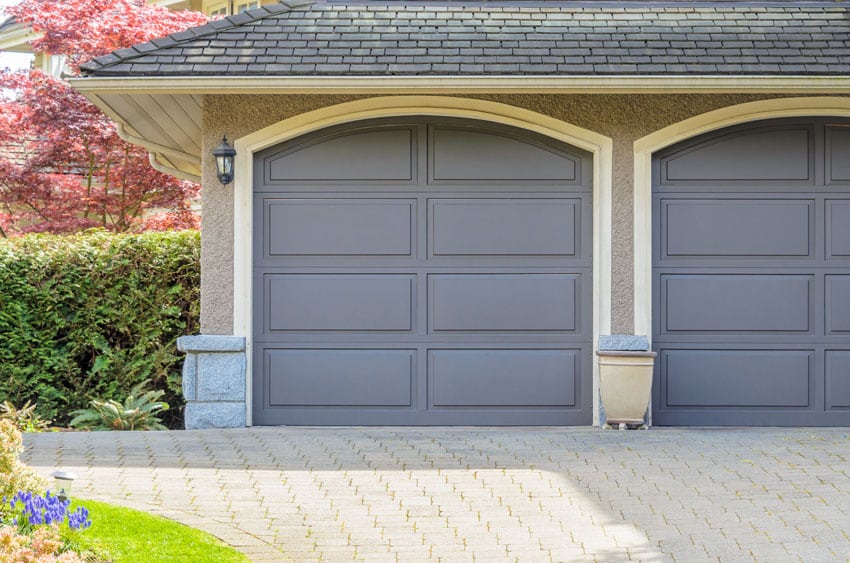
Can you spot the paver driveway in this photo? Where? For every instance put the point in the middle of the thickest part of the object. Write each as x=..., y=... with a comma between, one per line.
x=480, y=494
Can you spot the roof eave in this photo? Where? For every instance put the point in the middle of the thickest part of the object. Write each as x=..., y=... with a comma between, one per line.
x=597, y=84
x=16, y=37
x=164, y=113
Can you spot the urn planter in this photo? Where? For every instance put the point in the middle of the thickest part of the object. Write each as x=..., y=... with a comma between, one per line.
x=625, y=386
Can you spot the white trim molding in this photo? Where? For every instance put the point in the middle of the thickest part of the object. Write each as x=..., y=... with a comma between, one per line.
x=625, y=84
x=646, y=147
x=437, y=106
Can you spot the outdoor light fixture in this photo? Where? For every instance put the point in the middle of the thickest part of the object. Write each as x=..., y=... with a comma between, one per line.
x=224, y=154
x=63, y=483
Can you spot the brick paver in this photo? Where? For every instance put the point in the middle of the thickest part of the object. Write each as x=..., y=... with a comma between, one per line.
x=473, y=494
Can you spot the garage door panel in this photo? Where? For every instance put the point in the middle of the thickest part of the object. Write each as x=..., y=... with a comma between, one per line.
x=465, y=154
x=375, y=155
x=838, y=379
x=340, y=377
x=737, y=227
x=422, y=271
x=503, y=378
x=736, y=303
x=504, y=227
x=838, y=147
x=751, y=251
x=503, y=302
x=737, y=378
x=339, y=227
x=838, y=228
x=766, y=154
x=837, y=303
x=339, y=302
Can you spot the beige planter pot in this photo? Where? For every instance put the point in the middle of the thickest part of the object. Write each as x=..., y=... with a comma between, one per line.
x=625, y=384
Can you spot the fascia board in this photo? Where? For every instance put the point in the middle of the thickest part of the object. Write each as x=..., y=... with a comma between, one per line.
x=463, y=84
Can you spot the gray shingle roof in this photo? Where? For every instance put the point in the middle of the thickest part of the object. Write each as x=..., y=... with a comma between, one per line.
x=484, y=38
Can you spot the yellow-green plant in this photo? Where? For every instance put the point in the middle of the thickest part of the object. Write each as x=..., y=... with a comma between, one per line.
x=24, y=418
x=14, y=475
x=139, y=411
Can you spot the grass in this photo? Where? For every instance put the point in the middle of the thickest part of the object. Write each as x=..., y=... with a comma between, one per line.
x=119, y=534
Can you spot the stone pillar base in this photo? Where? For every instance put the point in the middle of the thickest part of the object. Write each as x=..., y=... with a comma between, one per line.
x=214, y=381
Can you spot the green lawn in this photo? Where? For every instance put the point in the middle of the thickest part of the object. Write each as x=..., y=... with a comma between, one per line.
x=120, y=534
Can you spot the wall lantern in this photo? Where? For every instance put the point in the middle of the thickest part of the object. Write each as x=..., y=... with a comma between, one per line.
x=224, y=154
x=63, y=479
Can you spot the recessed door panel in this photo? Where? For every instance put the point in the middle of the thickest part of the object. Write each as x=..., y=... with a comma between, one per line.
x=504, y=227
x=736, y=303
x=349, y=227
x=332, y=302
x=503, y=302
x=737, y=378
x=737, y=227
x=334, y=378
x=502, y=378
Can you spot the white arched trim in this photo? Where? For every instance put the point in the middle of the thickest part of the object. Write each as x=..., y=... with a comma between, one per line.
x=436, y=106
x=645, y=147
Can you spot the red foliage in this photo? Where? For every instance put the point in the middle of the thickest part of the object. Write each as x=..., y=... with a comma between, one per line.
x=84, y=29
x=63, y=166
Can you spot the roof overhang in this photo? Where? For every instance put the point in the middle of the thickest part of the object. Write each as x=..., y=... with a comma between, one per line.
x=164, y=114
x=16, y=37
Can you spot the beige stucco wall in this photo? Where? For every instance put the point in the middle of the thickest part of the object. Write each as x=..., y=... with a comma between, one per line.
x=624, y=118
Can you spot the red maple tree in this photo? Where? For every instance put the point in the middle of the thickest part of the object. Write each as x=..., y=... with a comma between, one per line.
x=63, y=166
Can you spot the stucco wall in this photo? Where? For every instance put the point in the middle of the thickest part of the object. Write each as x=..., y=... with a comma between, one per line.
x=624, y=118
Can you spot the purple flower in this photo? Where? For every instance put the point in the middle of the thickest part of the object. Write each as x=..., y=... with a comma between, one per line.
x=34, y=510
x=79, y=519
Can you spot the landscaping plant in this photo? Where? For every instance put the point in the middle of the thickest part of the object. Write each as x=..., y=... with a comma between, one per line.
x=90, y=316
x=34, y=526
x=24, y=418
x=44, y=545
x=138, y=412
x=28, y=510
x=15, y=477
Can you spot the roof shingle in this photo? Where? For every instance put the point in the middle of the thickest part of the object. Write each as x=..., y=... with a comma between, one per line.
x=481, y=38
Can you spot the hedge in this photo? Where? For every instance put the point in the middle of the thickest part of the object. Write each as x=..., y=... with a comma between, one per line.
x=91, y=315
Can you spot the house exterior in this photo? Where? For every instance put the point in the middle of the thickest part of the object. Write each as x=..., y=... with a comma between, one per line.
x=439, y=207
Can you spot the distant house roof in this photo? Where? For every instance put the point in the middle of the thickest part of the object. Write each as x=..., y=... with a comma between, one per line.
x=484, y=38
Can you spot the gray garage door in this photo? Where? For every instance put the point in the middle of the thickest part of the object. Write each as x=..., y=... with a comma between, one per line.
x=752, y=276
x=422, y=272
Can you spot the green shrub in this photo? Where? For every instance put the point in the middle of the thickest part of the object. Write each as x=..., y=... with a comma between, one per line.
x=92, y=315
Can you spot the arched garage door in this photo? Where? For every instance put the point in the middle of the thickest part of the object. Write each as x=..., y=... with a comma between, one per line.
x=752, y=276
x=422, y=272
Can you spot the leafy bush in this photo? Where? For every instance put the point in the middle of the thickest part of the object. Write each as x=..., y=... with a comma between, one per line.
x=138, y=412
x=91, y=315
